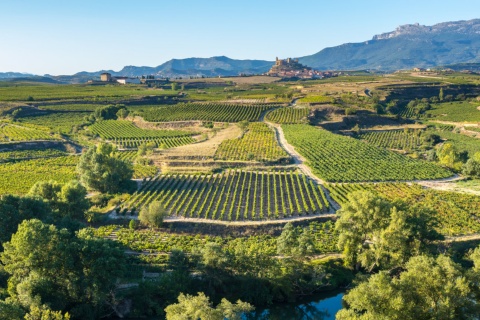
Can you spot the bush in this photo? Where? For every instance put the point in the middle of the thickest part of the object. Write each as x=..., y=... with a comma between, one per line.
x=153, y=214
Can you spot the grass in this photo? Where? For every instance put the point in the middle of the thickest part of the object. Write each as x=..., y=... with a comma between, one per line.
x=46, y=92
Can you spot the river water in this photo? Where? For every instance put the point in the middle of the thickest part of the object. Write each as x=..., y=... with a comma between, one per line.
x=318, y=307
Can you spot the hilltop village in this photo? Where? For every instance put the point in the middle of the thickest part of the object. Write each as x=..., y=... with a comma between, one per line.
x=291, y=68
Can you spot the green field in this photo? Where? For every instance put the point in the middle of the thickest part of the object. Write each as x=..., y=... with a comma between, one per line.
x=394, y=139
x=338, y=158
x=14, y=132
x=455, y=111
x=62, y=122
x=233, y=196
x=288, y=115
x=102, y=93
x=19, y=176
x=457, y=213
x=258, y=143
x=219, y=112
x=31, y=154
x=119, y=129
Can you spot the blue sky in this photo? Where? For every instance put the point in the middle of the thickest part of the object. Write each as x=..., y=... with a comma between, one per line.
x=67, y=36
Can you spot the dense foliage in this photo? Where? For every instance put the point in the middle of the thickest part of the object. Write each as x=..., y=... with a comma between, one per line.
x=101, y=170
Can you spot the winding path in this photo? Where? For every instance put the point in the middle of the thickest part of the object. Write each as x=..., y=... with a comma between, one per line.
x=298, y=159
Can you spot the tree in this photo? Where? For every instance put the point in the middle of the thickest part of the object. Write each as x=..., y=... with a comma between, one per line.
x=68, y=200
x=358, y=219
x=153, y=214
x=54, y=267
x=122, y=113
x=429, y=289
x=449, y=156
x=106, y=113
x=44, y=313
x=9, y=311
x=472, y=166
x=295, y=243
x=174, y=86
x=200, y=307
x=376, y=233
x=15, y=209
x=440, y=94
x=100, y=170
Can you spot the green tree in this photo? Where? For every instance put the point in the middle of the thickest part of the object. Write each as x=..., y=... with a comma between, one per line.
x=293, y=242
x=69, y=200
x=449, y=156
x=472, y=167
x=9, y=311
x=440, y=94
x=100, y=170
x=174, y=86
x=122, y=113
x=70, y=273
x=153, y=214
x=376, y=233
x=200, y=307
x=429, y=288
x=106, y=113
x=44, y=313
x=15, y=209
x=363, y=214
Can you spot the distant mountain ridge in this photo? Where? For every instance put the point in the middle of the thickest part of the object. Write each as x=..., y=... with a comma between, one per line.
x=408, y=46
x=209, y=67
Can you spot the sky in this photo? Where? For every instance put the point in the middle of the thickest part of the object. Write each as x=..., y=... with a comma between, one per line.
x=67, y=36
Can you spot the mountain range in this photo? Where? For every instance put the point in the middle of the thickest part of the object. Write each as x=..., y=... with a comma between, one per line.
x=411, y=45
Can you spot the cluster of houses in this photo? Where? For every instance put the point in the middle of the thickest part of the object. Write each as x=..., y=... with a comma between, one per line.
x=107, y=77
x=291, y=68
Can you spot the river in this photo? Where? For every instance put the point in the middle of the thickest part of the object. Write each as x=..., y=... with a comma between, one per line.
x=318, y=307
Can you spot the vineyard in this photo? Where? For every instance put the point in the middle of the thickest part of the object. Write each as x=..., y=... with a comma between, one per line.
x=337, y=158
x=457, y=213
x=117, y=129
x=56, y=121
x=162, y=143
x=455, y=111
x=258, y=143
x=162, y=243
x=220, y=112
x=11, y=132
x=19, y=176
x=288, y=115
x=31, y=154
x=460, y=141
x=232, y=196
x=394, y=139
x=317, y=99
